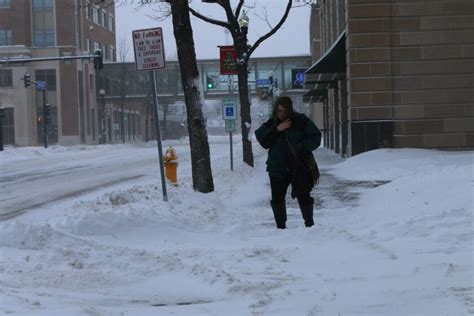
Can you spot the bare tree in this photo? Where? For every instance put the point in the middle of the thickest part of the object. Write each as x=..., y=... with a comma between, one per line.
x=192, y=86
x=122, y=51
x=244, y=51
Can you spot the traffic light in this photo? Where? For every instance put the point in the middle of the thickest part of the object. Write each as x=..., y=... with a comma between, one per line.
x=210, y=83
x=98, y=61
x=27, y=80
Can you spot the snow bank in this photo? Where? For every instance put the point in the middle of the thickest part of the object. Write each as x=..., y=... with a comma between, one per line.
x=402, y=247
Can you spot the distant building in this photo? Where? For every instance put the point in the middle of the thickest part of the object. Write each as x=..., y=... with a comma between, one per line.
x=392, y=73
x=46, y=28
x=128, y=91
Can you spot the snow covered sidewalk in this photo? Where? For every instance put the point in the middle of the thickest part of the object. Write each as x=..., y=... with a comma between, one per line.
x=393, y=236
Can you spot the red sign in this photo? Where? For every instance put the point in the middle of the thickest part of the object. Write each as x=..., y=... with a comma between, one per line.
x=228, y=60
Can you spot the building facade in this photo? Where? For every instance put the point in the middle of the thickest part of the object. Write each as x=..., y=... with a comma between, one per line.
x=52, y=28
x=393, y=73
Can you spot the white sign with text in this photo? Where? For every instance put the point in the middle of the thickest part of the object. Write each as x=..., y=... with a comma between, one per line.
x=149, y=49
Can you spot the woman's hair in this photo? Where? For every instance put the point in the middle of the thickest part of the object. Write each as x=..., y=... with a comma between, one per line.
x=286, y=103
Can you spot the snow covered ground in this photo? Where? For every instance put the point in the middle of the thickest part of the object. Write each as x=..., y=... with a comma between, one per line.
x=393, y=236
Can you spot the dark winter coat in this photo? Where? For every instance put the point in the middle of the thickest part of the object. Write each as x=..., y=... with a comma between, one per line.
x=303, y=136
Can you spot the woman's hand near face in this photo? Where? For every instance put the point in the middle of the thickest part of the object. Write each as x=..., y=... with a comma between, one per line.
x=284, y=125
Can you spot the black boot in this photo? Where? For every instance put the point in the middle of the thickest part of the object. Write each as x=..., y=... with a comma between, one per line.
x=307, y=212
x=279, y=212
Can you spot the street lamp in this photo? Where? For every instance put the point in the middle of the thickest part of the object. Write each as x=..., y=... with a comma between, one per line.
x=244, y=24
x=102, y=121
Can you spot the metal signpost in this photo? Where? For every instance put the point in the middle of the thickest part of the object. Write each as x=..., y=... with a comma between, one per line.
x=229, y=114
x=41, y=85
x=150, y=55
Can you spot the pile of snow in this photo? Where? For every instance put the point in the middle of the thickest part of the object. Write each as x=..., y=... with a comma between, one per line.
x=405, y=248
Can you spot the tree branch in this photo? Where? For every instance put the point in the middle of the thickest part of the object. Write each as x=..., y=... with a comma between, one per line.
x=264, y=18
x=239, y=8
x=234, y=27
x=208, y=19
x=269, y=34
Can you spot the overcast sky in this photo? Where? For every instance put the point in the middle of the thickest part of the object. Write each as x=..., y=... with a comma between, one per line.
x=291, y=39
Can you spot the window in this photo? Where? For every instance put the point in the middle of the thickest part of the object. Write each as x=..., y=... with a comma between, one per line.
x=106, y=52
x=95, y=15
x=9, y=127
x=44, y=38
x=90, y=13
x=104, y=19
x=96, y=46
x=111, y=23
x=90, y=45
x=6, y=78
x=5, y=37
x=4, y=3
x=42, y=5
x=43, y=22
x=48, y=76
x=99, y=16
x=112, y=53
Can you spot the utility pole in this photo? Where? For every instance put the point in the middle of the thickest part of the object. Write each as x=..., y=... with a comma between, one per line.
x=102, y=116
x=46, y=109
x=40, y=85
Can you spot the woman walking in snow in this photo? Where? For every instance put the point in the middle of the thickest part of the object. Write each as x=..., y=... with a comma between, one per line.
x=289, y=137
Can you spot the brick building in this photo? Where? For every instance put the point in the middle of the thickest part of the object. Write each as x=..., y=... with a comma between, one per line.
x=47, y=28
x=392, y=73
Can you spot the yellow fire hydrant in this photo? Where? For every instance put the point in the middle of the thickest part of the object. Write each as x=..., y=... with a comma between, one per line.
x=171, y=165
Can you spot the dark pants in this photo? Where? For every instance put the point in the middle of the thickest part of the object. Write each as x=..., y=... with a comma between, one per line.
x=279, y=188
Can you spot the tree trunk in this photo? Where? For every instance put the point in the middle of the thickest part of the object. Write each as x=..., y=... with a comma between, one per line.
x=200, y=155
x=246, y=119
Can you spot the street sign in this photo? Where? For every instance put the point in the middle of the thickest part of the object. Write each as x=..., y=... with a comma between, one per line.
x=228, y=60
x=262, y=82
x=40, y=85
x=150, y=55
x=229, y=109
x=230, y=126
x=149, y=49
x=297, y=78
